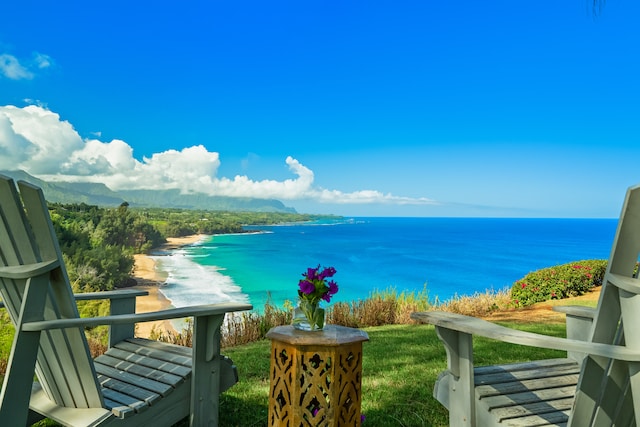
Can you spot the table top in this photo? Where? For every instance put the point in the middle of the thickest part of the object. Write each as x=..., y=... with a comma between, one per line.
x=331, y=335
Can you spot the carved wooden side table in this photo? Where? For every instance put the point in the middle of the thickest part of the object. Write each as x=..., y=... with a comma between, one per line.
x=315, y=377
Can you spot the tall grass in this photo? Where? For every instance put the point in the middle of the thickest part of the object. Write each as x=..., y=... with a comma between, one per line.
x=479, y=304
x=387, y=307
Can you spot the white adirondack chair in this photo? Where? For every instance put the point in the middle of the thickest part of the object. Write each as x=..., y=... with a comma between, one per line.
x=596, y=385
x=137, y=382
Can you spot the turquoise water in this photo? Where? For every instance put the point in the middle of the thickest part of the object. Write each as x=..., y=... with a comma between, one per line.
x=448, y=256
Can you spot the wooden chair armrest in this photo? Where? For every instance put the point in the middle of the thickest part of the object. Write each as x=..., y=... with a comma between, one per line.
x=475, y=326
x=172, y=313
x=28, y=270
x=111, y=295
x=576, y=311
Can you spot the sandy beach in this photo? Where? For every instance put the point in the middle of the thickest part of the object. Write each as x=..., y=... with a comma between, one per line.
x=149, y=279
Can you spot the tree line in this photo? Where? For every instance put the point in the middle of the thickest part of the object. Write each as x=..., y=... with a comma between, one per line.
x=98, y=243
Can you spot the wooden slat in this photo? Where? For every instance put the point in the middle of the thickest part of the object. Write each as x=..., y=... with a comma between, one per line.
x=527, y=385
x=218, y=309
x=523, y=366
x=528, y=397
x=29, y=270
x=142, y=371
x=126, y=377
x=164, y=346
x=150, y=362
x=140, y=359
x=128, y=389
x=157, y=350
x=539, y=409
x=143, y=361
x=506, y=377
x=120, y=411
x=17, y=236
x=125, y=400
x=556, y=419
x=535, y=393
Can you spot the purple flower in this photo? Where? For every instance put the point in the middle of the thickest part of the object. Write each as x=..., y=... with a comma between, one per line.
x=312, y=273
x=333, y=288
x=314, y=286
x=306, y=287
x=327, y=272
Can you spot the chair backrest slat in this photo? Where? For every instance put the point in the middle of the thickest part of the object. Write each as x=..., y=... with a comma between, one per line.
x=64, y=367
x=605, y=393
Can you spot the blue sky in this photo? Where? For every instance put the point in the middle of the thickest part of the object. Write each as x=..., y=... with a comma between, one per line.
x=413, y=108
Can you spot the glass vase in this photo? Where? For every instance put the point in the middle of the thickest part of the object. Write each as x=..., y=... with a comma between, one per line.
x=308, y=316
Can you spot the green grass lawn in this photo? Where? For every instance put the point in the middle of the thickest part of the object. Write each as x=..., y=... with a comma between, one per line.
x=400, y=366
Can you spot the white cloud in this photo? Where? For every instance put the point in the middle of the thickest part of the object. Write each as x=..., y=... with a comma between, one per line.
x=369, y=196
x=11, y=68
x=37, y=141
x=14, y=69
x=15, y=149
x=49, y=141
x=42, y=61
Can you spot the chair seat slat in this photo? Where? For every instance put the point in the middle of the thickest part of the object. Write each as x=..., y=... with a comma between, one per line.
x=526, y=385
x=150, y=361
x=129, y=378
x=162, y=351
x=140, y=370
x=125, y=400
x=120, y=411
x=128, y=389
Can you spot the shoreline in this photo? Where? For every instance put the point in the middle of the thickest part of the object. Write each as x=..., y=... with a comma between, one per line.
x=150, y=280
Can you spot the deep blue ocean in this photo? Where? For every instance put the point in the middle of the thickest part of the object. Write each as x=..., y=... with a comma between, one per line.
x=444, y=256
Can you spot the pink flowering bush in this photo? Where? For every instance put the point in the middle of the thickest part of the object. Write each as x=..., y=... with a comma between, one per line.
x=562, y=281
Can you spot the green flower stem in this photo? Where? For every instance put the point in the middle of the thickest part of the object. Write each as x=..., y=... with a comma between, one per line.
x=313, y=313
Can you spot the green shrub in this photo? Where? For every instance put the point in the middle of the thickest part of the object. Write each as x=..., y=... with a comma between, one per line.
x=562, y=281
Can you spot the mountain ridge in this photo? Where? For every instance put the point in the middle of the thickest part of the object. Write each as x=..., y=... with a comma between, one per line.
x=101, y=195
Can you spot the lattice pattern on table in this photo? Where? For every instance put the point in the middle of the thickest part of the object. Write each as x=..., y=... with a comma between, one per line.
x=315, y=386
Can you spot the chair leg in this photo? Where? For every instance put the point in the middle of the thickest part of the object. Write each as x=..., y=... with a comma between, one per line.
x=205, y=378
x=16, y=389
x=459, y=349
